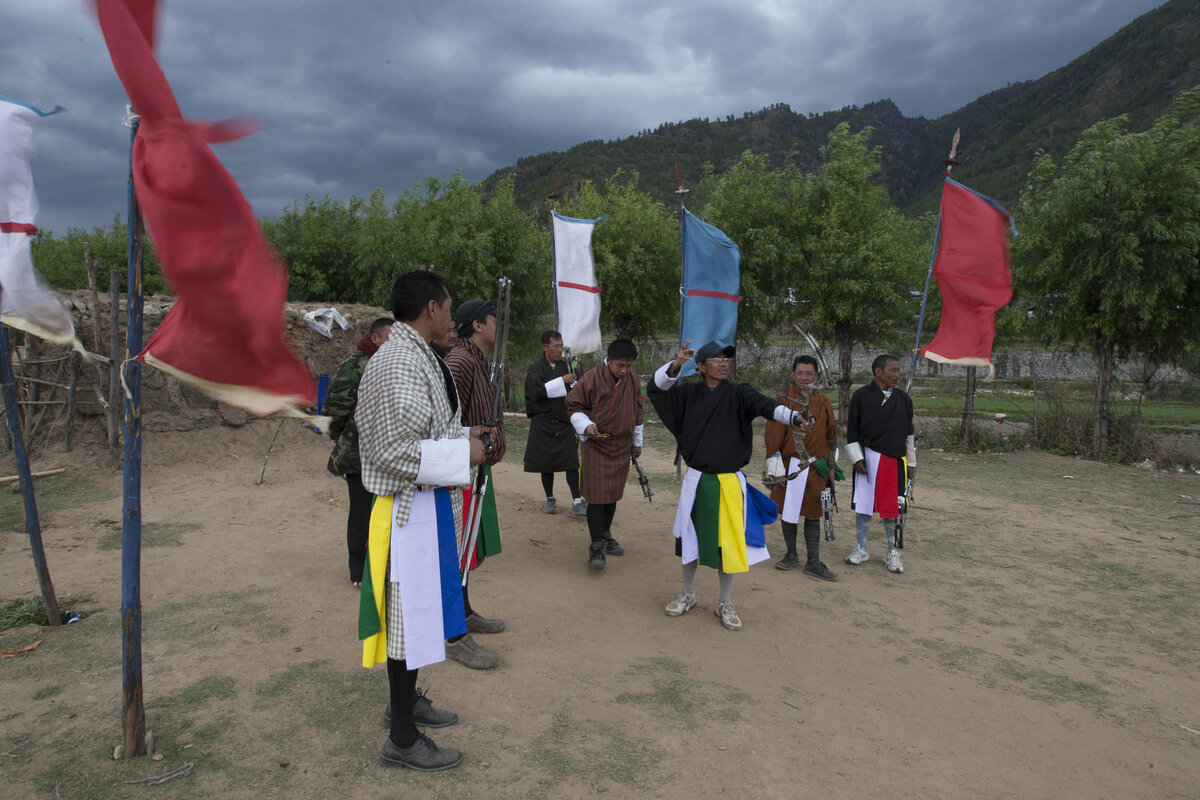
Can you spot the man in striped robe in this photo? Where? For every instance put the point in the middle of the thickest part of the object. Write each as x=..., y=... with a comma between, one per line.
x=411, y=446
x=720, y=518
x=606, y=411
x=476, y=324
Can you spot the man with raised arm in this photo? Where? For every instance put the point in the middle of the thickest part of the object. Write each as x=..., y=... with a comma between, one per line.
x=412, y=446
x=720, y=518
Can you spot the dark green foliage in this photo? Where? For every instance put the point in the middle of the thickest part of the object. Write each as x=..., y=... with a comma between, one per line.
x=62, y=263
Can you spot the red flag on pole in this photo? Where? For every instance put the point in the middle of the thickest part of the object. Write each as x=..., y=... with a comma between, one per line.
x=973, y=274
x=225, y=332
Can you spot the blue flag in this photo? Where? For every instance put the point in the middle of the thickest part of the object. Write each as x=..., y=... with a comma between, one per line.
x=711, y=277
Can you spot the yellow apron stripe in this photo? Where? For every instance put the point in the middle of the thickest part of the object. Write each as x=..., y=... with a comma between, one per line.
x=379, y=540
x=731, y=525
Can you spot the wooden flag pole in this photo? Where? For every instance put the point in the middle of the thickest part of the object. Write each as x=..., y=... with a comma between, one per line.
x=32, y=525
x=133, y=710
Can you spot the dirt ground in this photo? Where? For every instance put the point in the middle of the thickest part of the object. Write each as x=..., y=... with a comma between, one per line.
x=1042, y=642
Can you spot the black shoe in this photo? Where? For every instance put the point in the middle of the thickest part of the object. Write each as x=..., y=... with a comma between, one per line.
x=422, y=755
x=612, y=546
x=819, y=570
x=596, y=555
x=424, y=714
x=789, y=561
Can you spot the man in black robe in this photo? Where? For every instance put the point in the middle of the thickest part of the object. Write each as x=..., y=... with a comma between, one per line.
x=712, y=424
x=879, y=441
x=552, y=446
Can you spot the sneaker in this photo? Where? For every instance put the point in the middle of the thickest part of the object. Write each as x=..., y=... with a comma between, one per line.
x=478, y=624
x=578, y=508
x=422, y=755
x=596, y=556
x=787, y=562
x=820, y=571
x=424, y=714
x=892, y=561
x=857, y=556
x=356, y=584
x=551, y=506
x=612, y=546
x=729, y=617
x=681, y=603
x=466, y=652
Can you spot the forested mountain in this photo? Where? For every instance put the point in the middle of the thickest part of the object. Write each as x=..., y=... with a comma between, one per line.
x=1137, y=71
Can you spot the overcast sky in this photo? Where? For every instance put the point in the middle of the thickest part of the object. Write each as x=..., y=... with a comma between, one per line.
x=360, y=94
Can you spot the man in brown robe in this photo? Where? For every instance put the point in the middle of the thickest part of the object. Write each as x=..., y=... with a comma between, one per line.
x=606, y=411
x=806, y=487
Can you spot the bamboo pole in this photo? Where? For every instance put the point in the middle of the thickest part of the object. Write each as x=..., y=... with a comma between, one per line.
x=133, y=707
x=74, y=383
x=32, y=525
x=118, y=355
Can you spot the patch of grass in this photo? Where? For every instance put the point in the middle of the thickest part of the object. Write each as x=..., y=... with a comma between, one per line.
x=203, y=620
x=32, y=610
x=322, y=694
x=676, y=692
x=154, y=534
x=951, y=656
x=599, y=754
x=47, y=692
x=1041, y=684
x=51, y=494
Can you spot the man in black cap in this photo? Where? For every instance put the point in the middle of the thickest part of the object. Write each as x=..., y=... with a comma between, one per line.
x=720, y=518
x=476, y=324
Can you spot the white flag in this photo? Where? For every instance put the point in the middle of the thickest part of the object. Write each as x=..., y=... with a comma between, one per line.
x=25, y=302
x=575, y=290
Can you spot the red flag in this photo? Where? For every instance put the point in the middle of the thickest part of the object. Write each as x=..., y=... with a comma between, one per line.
x=973, y=274
x=225, y=332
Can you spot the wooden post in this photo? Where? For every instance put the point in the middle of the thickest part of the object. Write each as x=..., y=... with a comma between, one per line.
x=1033, y=374
x=968, y=407
x=92, y=265
x=32, y=525
x=117, y=355
x=133, y=708
x=33, y=372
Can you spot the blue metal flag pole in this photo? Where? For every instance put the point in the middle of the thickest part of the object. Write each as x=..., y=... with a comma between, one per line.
x=950, y=163
x=32, y=525
x=134, y=711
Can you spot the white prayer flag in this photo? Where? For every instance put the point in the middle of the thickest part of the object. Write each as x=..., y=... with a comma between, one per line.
x=25, y=301
x=576, y=294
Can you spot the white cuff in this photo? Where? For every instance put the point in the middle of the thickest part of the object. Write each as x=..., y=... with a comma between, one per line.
x=784, y=415
x=910, y=445
x=854, y=452
x=661, y=379
x=556, y=388
x=466, y=431
x=638, y=430
x=444, y=462
x=580, y=422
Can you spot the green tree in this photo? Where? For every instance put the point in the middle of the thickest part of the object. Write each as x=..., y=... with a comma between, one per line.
x=637, y=254
x=61, y=261
x=1109, y=244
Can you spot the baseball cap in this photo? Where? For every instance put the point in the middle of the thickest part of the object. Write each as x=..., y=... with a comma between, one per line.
x=713, y=349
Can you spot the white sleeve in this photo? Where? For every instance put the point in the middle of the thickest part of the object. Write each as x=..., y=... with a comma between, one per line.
x=444, y=462
x=784, y=415
x=661, y=379
x=556, y=388
x=466, y=431
x=854, y=452
x=910, y=445
x=580, y=422
x=638, y=433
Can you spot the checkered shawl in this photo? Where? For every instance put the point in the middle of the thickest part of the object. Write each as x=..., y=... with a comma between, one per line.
x=402, y=400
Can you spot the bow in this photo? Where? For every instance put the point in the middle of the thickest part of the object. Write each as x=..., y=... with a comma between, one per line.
x=802, y=326
x=643, y=480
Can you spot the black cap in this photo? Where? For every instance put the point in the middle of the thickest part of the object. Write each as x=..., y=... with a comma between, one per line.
x=713, y=349
x=472, y=310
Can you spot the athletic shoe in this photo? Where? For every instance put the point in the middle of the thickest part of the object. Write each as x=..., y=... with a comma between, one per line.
x=787, y=562
x=551, y=506
x=729, y=617
x=578, y=508
x=820, y=571
x=613, y=547
x=857, y=556
x=596, y=558
x=681, y=603
x=478, y=624
x=892, y=561
x=468, y=653
x=422, y=755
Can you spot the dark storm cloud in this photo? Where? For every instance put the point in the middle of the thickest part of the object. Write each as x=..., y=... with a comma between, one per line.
x=368, y=93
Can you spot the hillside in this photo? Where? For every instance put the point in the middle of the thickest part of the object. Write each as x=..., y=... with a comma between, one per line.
x=1136, y=71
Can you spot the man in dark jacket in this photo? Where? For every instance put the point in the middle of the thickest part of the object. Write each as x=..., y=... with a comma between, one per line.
x=552, y=446
x=340, y=403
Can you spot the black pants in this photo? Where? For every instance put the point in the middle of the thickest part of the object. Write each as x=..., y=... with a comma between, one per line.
x=599, y=519
x=572, y=483
x=358, y=523
x=402, y=685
